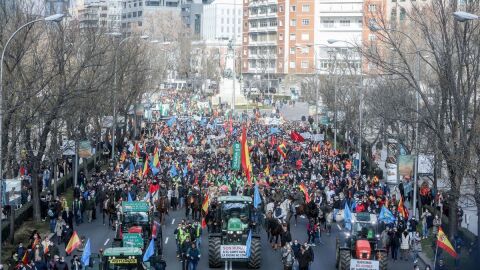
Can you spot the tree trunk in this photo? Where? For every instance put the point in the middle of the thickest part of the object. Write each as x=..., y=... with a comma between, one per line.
x=35, y=190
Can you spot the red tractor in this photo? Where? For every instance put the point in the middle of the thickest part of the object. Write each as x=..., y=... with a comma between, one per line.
x=361, y=247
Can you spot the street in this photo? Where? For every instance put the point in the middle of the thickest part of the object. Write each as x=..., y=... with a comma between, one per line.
x=101, y=238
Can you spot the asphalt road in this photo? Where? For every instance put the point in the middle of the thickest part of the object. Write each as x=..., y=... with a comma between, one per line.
x=101, y=237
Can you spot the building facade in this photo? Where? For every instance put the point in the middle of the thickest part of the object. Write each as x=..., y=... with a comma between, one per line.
x=219, y=20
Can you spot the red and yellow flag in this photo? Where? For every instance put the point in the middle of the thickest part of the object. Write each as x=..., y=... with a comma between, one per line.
x=205, y=204
x=156, y=159
x=303, y=188
x=402, y=210
x=73, y=243
x=443, y=243
x=146, y=167
x=245, y=157
x=282, y=149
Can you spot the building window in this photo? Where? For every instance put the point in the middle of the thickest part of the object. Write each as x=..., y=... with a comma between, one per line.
x=134, y=14
x=372, y=37
x=140, y=14
x=280, y=36
x=372, y=22
x=328, y=23
x=305, y=21
x=273, y=9
x=305, y=36
x=304, y=64
x=345, y=23
x=292, y=64
x=293, y=37
x=293, y=8
x=280, y=8
x=372, y=8
x=403, y=14
x=393, y=13
x=293, y=22
x=292, y=50
x=273, y=23
x=305, y=8
x=305, y=50
x=263, y=23
x=139, y=23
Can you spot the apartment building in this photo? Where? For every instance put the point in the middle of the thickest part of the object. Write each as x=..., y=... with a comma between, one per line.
x=56, y=6
x=219, y=20
x=136, y=12
x=274, y=31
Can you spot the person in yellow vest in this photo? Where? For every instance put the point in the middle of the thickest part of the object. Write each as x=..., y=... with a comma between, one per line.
x=180, y=236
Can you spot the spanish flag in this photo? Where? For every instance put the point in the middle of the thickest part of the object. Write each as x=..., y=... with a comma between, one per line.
x=443, y=243
x=73, y=243
x=245, y=157
x=26, y=256
x=205, y=204
x=282, y=149
x=146, y=167
x=402, y=210
x=156, y=159
x=35, y=242
x=267, y=170
x=303, y=188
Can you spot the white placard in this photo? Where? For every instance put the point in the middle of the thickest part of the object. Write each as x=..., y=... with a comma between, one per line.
x=233, y=251
x=318, y=137
x=364, y=265
x=306, y=135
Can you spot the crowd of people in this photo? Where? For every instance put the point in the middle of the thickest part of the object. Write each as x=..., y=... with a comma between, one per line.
x=188, y=157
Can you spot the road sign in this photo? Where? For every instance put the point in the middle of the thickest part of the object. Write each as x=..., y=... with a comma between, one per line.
x=138, y=206
x=364, y=265
x=132, y=240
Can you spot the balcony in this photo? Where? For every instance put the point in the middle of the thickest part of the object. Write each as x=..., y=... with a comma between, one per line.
x=262, y=43
x=262, y=56
x=263, y=29
x=260, y=3
x=262, y=16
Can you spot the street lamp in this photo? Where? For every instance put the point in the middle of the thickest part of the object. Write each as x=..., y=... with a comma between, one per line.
x=114, y=124
x=332, y=41
x=375, y=28
x=463, y=16
x=52, y=18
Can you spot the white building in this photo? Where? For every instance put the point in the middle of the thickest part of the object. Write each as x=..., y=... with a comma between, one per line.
x=340, y=20
x=219, y=20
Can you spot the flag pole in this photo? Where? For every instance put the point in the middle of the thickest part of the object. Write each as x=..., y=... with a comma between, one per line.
x=436, y=245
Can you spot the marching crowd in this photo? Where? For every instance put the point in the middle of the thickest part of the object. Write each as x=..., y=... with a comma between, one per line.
x=190, y=154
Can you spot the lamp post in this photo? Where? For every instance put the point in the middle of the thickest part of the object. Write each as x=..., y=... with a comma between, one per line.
x=114, y=124
x=375, y=28
x=463, y=16
x=52, y=18
x=332, y=41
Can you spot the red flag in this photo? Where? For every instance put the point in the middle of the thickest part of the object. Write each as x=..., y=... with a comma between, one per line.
x=204, y=223
x=25, y=258
x=296, y=137
x=245, y=156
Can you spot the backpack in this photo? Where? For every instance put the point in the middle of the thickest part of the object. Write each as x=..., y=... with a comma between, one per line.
x=288, y=259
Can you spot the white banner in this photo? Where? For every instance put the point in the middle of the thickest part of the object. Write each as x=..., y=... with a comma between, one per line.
x=306, y=135
x=233, y=251
x=318, y=137
x=364, y=265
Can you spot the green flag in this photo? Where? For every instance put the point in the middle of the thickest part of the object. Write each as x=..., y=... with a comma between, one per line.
x=236, y=156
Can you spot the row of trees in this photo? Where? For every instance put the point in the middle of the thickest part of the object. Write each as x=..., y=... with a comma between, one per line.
x=431, y=56
x=59, y=84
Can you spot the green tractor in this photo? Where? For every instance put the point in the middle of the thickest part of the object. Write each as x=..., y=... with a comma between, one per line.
x=230, y=243
x=124, y=258
x=135, y=222
x=361, y=246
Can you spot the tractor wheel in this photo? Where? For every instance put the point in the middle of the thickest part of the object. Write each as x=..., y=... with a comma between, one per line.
x=383, y=260
x=345, y=258
x=255, y=254
x=337, y=250
x=214, y=260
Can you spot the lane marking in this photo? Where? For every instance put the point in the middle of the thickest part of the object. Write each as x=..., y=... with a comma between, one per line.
x=231, y=265
x=226, y=265
x=166, y=240
x=340, y=228
x=173, y=221
x=106, y=242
